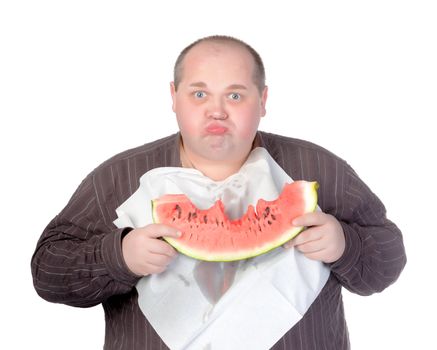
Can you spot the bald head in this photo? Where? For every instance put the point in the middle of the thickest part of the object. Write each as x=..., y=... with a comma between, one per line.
x=219, y=40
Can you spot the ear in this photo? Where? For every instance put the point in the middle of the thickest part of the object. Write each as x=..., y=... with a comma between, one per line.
x=173, y=96
x=264, y=101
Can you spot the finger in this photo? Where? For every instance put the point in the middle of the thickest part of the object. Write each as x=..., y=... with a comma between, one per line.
x=153, y=269
x=160, y=230
x=310, y=234
x=303, y=237
x=292, y=242
x=315, y=255
x=156, y=246
x=288, y=245
x=310, y=219
x=311, y=247
x=159, y=260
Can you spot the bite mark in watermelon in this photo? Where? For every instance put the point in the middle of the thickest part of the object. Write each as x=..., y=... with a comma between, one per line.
x=210, y=235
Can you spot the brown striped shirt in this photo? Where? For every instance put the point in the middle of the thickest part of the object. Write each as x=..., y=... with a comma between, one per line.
x=78, y=259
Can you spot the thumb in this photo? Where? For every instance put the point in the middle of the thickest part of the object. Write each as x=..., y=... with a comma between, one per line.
x=161, y=230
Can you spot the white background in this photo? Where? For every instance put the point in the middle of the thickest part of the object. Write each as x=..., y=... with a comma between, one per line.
x=83, y=80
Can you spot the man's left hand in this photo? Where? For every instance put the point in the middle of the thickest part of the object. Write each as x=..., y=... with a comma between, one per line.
x=323, y=239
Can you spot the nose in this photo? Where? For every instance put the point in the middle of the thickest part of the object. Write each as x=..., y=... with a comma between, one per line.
x=218, y=115
x=216, y=110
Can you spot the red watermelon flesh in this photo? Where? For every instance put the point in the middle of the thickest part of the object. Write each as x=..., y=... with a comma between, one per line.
x=210, y=235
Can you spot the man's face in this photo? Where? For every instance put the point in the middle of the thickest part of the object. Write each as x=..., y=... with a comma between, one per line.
x=217, y=104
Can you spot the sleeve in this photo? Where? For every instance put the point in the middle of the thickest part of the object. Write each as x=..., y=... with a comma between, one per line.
x=375, y=255
x=78, y=259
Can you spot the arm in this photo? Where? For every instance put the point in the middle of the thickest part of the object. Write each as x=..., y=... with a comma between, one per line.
x=364, y=249
x=374, y=255
x=78, y=259
x=81, y=260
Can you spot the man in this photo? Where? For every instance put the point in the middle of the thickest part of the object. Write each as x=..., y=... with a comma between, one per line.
x=219, y=96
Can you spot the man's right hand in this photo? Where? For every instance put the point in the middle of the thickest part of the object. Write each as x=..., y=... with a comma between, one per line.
x=143, y=251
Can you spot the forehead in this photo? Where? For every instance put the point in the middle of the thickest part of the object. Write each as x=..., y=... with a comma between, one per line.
x=217, y=59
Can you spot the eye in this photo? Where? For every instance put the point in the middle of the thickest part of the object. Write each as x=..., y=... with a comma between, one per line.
x=199, y=94
x=235, y=96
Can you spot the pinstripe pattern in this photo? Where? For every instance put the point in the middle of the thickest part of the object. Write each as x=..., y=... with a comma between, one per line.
x=78, y=259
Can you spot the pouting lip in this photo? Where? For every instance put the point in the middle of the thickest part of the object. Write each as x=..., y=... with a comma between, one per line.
x=216, y=129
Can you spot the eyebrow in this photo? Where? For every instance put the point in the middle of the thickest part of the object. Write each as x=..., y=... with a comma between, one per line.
x=198, y=84
x=237, y=87
x=201, y=84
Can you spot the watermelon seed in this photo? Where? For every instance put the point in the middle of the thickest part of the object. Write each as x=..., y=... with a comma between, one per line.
x=189, y=217
x=216, y=222
x=194, y=215
x=179, y=210
x=269, y=222
x=266, y=212
x=205, y=219
x=273, y=217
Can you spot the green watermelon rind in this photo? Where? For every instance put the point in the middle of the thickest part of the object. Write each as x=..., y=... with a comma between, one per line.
x=234, y=256
x=310, y=195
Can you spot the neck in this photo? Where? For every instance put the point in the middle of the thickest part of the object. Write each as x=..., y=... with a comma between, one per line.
x=214, y=169
x=219, y=171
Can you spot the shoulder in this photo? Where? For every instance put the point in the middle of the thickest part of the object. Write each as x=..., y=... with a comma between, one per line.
x=304, y=160
x=158, y=149
x=117, y=178
x=284, y=147
x=161, y=152
x=120, y=174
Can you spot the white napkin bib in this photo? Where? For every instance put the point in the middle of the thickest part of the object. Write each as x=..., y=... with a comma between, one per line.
x=248, y=304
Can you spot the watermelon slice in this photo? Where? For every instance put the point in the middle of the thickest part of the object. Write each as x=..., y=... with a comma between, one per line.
x=210, y=235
